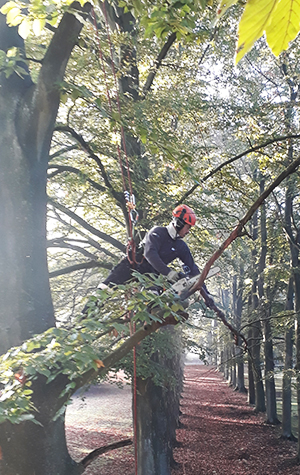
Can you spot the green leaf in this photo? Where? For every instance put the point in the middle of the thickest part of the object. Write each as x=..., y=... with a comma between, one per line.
x=25, y=28
x=256, y=16
x=38, y=25
x=137, y=4
x=284, y=26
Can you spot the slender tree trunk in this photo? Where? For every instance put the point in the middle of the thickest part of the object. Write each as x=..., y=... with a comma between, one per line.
x=269, y=374
x=287, y=372
x=240, y=383
x=256, y=336
x=268, y=344
x=221, y=362
x=233, y=374
x=251, y=388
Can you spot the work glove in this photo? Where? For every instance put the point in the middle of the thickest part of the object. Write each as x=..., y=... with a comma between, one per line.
x=173, y=276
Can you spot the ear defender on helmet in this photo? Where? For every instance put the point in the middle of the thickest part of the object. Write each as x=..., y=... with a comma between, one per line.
x=183, y=214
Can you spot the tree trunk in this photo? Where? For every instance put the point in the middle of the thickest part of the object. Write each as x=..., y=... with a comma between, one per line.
x=268, y=343
x=233, y=366
x=251, y=389
x=287, y=377
x=39, y=450
x=158, y=414
x=256, y=336
x=27, y=117
x=240, y=382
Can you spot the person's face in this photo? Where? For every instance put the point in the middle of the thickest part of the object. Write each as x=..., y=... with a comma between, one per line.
x=185, y=230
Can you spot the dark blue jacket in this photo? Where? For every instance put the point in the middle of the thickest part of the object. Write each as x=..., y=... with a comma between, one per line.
x=161, y=249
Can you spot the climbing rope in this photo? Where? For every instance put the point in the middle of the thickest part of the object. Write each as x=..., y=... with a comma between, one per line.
x=128, y=195
x=129, y=199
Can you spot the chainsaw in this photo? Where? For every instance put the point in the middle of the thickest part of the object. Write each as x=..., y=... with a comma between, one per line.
x=186, y=283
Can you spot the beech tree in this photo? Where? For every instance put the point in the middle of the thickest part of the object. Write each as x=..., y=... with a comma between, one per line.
x=40, y=376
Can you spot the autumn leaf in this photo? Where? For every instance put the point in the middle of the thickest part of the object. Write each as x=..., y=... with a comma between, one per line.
x=21, y=376
x=99, y=364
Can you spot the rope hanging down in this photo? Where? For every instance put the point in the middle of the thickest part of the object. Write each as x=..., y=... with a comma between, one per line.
x=128, y=195
x=130, y=203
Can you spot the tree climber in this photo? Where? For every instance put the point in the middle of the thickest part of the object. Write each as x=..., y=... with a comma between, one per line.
x=162, y=245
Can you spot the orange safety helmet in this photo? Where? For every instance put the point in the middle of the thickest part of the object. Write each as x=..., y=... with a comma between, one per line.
x=184, y=215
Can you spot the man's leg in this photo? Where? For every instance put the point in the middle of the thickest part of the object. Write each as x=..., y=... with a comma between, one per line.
x=120, y=274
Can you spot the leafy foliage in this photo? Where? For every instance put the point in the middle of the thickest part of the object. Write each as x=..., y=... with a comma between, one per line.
x=279, y=20
x=74, y=351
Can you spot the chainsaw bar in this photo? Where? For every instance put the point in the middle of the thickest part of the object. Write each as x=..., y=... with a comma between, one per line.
x=187, y=283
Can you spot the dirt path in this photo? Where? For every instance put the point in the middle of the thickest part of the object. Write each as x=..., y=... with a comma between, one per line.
x=103, y=417
x=220, y=435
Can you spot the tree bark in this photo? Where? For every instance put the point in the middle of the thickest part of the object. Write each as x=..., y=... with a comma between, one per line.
x=256, y=332
x=238, y=307
x=158, y=414
x=265, y=304
x=287, y=372
x=27, y=118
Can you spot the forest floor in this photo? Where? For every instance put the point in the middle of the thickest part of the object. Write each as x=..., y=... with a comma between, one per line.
x=220, y=434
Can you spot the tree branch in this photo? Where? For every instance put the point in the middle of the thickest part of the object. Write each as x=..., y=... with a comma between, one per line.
x=39, y=109
x=67, y=245
x=62, y=151
x=83, y=265
x=102, y=450
x=88, y=239
x=157, y=63
x=237, y=231
x=88, y=227
x=63, y=168
x=211, y=304
x=118, y=196
x=233, y=159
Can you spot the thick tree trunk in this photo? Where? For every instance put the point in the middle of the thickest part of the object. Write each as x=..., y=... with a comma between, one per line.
x=296, y=264
x=158, y=414
x=26, y=305
x=27, y=117
x=31, y=449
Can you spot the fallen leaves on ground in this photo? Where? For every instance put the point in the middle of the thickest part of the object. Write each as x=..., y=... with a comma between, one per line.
x=219, y=435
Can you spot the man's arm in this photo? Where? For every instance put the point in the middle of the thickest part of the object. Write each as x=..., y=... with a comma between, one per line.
x=153, y=244
x=187, y=259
